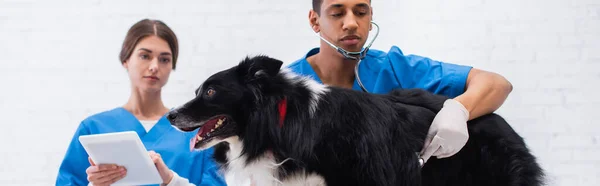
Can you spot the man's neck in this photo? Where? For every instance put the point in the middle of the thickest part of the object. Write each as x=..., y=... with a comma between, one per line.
x=332, y=68
x=145, y=105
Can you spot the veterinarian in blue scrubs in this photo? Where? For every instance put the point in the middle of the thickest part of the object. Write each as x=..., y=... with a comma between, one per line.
x=149, y=54
x=346, y=24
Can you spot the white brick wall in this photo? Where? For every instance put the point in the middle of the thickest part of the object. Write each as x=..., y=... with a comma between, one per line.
x=548, y=49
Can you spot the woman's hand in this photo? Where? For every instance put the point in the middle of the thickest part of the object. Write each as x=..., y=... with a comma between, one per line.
x=104, y=174
x=163, y=170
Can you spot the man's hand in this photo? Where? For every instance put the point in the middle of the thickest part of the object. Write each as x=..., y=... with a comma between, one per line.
x=448, y=132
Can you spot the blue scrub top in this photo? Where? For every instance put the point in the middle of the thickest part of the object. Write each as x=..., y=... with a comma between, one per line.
x=381, y=72
x=173, y=146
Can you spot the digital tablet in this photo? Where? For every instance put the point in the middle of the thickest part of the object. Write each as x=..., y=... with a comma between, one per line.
x=125, y=149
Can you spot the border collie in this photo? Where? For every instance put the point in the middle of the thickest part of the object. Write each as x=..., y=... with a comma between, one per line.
x=274, y=127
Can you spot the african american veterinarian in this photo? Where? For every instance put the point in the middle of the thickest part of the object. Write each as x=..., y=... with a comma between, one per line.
x=149, y=54
x=347, y=23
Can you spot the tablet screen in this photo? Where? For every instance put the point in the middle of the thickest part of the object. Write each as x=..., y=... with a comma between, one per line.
x=125, y=149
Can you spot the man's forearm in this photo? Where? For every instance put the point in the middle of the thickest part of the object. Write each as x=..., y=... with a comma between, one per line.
x=485, y=93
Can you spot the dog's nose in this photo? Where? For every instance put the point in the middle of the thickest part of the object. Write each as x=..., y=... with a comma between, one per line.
x=171, y=116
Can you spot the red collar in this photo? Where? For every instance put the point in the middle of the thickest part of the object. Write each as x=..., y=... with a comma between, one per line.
x=282, y=105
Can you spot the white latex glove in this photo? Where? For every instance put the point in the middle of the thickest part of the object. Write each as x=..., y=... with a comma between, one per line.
x=448, y=133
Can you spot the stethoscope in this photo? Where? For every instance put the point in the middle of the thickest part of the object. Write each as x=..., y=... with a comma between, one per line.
x=359, y=56
x=355, y=55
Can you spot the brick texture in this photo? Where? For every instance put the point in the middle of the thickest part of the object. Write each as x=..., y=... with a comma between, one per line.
x=59, y=64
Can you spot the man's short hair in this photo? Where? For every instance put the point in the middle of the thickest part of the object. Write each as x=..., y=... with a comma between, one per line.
x=316, y=6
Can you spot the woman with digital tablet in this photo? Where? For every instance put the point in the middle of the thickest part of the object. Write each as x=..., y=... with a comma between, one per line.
x=149, y=54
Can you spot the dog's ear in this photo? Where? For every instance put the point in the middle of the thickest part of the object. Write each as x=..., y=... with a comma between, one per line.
x=260, y=67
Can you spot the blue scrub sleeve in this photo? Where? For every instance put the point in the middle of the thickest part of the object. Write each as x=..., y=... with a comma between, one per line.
x=210, y=171
x=413, y=71
x=72, y=168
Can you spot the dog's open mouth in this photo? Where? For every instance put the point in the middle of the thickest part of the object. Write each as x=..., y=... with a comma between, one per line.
x=215, y=127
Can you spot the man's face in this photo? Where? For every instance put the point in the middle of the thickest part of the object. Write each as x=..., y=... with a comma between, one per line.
x=345, y=23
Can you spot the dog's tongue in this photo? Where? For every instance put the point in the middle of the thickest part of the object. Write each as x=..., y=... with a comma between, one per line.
x=192, y=143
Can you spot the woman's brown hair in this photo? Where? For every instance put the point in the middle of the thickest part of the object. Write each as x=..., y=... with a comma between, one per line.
x=148, y=27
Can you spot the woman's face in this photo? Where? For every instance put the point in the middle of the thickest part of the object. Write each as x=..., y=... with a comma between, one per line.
x=150, y=64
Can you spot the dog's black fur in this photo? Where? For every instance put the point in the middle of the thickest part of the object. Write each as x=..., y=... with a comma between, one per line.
x=352, y=138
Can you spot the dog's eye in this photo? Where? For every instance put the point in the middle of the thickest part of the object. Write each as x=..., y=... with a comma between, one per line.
x=210, y=92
